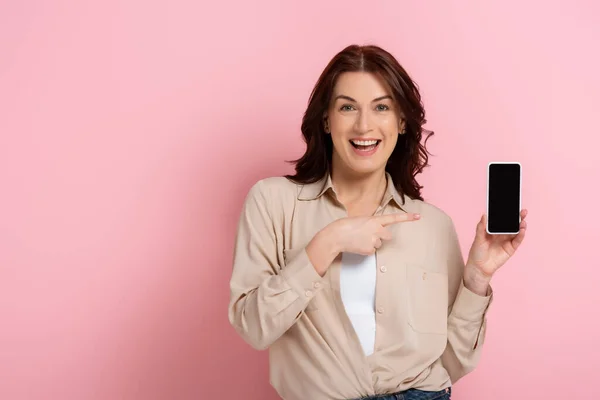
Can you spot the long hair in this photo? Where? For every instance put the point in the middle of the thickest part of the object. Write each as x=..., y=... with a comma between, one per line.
x=408, y=158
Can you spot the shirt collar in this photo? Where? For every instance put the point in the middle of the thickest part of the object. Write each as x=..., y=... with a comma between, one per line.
x=313, y=191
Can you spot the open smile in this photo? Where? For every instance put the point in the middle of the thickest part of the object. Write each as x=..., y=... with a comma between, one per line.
x=365, y=147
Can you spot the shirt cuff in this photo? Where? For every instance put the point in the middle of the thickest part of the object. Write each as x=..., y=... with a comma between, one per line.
x=301, y=275
x=471, y=306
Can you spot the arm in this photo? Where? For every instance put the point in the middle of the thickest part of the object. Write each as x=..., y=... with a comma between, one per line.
x=266, y=298
x=466, y=313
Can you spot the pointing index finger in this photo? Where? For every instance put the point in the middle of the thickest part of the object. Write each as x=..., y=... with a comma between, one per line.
x=389, y=219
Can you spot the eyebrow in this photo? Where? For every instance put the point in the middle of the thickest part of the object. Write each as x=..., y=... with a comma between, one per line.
x=341, y=96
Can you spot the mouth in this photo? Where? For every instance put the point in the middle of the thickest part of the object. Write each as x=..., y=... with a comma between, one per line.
x=365, y=145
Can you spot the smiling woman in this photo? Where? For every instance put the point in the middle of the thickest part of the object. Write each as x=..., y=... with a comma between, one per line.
x=365, y=146
x=353, y=282
x=364, y=94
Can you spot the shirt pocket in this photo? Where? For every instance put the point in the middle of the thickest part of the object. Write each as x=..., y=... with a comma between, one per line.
x=427, y=300
x=318, y=295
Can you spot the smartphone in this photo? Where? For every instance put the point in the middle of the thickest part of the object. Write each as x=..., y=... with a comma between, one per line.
x=503, y=198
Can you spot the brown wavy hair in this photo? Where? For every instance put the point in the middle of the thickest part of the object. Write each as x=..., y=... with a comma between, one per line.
x=409, y=157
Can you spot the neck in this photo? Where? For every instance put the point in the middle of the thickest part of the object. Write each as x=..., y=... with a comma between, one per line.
x=353, y=188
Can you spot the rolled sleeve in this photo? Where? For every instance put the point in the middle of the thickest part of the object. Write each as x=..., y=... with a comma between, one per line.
x=468, y=316
x=470, y=306
x=301, y=275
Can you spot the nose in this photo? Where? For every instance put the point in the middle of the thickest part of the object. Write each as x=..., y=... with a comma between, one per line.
x=363, y=123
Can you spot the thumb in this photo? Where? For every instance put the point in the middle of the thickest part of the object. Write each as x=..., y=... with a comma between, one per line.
x=481, y=225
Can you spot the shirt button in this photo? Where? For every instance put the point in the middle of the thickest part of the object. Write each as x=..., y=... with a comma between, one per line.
x=424, y=275
x=317, y=285
x=308, y=293
x=383, y=268
x=380, y=310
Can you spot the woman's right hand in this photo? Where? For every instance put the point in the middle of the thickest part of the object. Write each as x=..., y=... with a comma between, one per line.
x=364, y=235
x=360, y=235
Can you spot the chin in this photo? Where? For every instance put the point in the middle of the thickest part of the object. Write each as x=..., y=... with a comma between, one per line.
x=366, y=168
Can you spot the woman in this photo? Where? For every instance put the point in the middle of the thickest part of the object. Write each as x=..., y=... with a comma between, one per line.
x=353, y=282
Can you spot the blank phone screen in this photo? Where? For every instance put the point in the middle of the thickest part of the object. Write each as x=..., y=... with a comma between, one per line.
x=504, y=203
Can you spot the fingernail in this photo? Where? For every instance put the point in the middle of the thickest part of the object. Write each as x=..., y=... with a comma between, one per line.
x=417, y=216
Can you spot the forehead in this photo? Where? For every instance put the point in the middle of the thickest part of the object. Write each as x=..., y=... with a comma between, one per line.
x=360, y=85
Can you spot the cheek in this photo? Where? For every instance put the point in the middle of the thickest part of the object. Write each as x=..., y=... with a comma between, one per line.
x=338, y=140
x=391, y=143
x=390, y=124
x=342, y=123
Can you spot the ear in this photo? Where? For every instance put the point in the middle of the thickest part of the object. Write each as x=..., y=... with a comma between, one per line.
x=326, y=122
x=401, y=125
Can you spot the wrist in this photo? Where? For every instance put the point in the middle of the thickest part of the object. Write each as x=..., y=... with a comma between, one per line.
x=322, y=250
x=476, y=281
x=330, y=238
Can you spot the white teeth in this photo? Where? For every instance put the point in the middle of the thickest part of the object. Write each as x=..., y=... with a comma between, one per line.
x=364, y=142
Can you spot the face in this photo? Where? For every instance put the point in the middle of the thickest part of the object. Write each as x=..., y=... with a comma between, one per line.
x=363, y=121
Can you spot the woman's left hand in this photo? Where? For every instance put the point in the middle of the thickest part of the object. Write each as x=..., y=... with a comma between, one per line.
x=489, y=252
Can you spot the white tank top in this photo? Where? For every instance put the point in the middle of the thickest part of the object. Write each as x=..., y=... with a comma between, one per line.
x=357, y=286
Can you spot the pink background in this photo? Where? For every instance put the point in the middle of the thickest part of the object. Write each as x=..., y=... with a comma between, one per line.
x=132, y=130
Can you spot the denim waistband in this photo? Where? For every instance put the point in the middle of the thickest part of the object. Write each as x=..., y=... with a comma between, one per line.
x=413, y=394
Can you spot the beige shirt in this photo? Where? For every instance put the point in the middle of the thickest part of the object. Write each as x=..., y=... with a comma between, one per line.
x=429, y=327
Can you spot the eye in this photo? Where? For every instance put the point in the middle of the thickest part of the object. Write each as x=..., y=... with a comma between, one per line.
x=346, y=107
x=382, y=107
